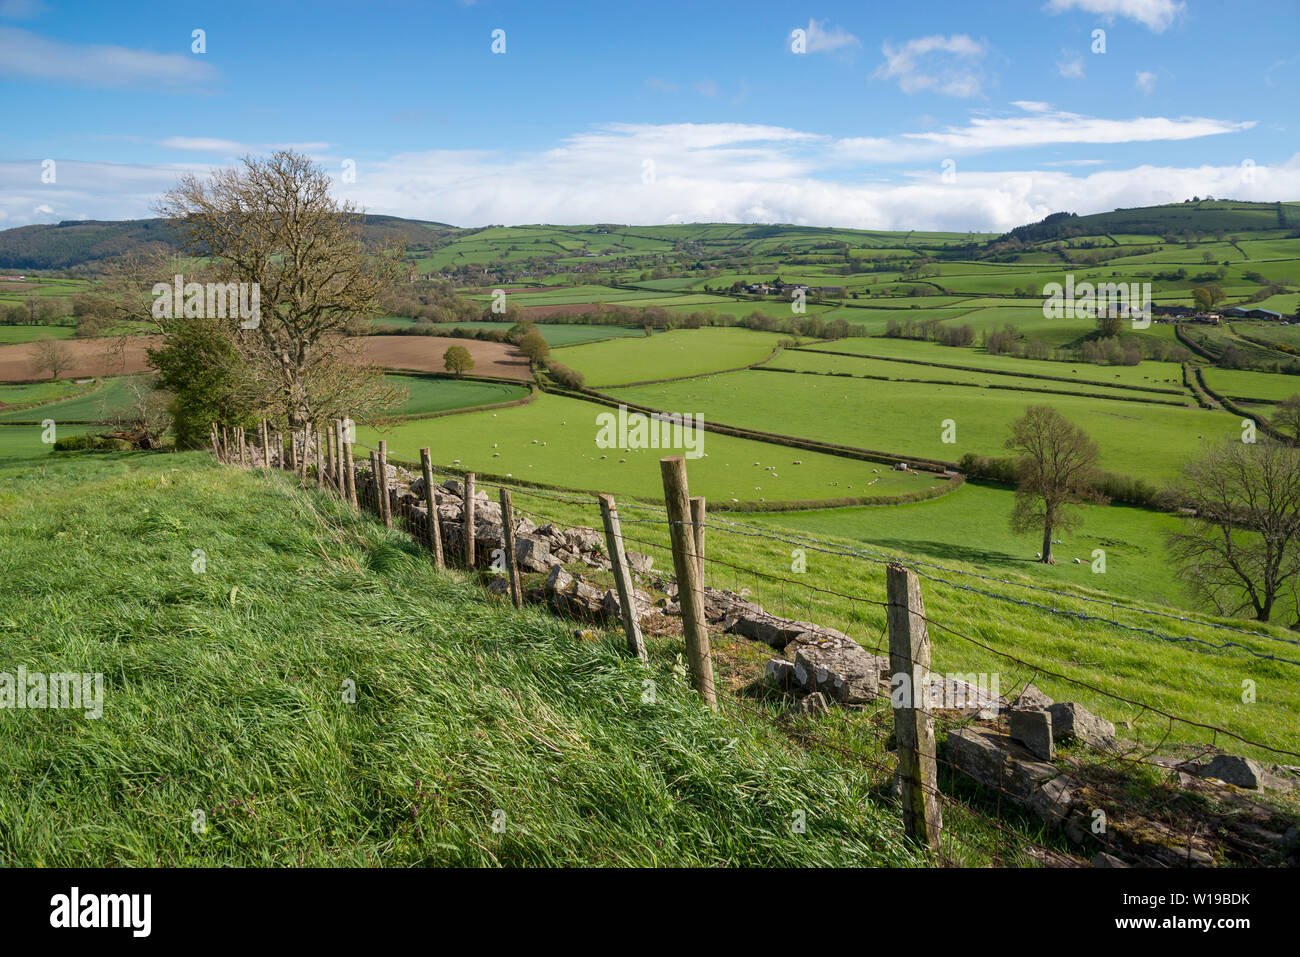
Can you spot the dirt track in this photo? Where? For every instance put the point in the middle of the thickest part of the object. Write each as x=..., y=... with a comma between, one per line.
x=104, y=357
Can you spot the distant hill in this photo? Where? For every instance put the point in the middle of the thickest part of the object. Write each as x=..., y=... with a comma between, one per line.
x=83, y=245
x=86, y=242
x=1205, y=216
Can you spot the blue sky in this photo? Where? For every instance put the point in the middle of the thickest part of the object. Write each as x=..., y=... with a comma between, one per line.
x=932, y=115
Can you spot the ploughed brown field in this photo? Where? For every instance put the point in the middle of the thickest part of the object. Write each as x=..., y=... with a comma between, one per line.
x=106, y=357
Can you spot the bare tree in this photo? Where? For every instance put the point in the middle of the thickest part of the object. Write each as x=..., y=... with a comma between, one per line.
x=1241, y=551
x=51, y=355
x=1287, y=416
x=272, y=222
x=1056, y=468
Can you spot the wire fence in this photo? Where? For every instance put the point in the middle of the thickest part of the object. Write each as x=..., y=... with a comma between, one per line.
x=1041, y=824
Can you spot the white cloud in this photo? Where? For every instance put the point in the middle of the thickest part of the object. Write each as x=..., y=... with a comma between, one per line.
x=33, y=57
x=942, y=64
x=203, y=144
x=704, y=172
x=1146, y=81
x=1070, y=65
x=1155, y=15
x=1038, y=125
x=823, y=40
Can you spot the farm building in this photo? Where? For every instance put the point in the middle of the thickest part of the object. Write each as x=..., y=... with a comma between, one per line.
x=1239, y=312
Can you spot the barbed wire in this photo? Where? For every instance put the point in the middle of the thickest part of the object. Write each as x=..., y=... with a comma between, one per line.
x=833, y=548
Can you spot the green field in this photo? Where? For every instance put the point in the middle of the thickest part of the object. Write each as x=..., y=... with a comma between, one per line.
x=10, y=334
x=806, y=361
x=670, y=355
x=1145, y=441
x=96, y=406
x=553, y=441
x=971, y=525
x=555, y=333
x=39, y=392
x=1149, y=373
x=1238, y=384
x=27, y=440
x=429, y=394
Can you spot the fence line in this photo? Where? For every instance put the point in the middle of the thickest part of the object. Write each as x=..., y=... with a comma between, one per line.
x=920, y=796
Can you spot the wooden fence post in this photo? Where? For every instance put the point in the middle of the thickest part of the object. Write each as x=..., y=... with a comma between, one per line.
x=349, y=468
x=698, y=512
x=319, y=435
x=512, y=565
x=331, y=454
x=686, y=564
x=909, y=667
x=245, y=453
x=279, y=449
x=344, y=466
x=467, y=487
x=266, y=444
x=374, y=482
x=431, y=504
x=385, y=502
x=622, y=578
x=216, y=446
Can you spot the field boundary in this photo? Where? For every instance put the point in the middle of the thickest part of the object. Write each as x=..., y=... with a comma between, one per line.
x=976, y=385
x=1021, y=375
x=775, y=438
x=1264, y=425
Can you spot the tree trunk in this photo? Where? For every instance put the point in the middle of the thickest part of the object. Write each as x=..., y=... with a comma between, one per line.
x=1047, y=546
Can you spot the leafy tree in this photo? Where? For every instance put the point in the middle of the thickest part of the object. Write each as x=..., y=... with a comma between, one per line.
x=534, y=346
x=200, y=366
x=458, y=360
x=1109, y=325
x=1207, y=297
x=1056, y=468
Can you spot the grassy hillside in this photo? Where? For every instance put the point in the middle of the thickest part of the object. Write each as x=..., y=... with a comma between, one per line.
x=223, y=693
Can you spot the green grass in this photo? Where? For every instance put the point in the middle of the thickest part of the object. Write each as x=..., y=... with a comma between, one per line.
x=1146, y=441
x=570, y=457
x=428, y=394
x=223, y=693
x=682, y=352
